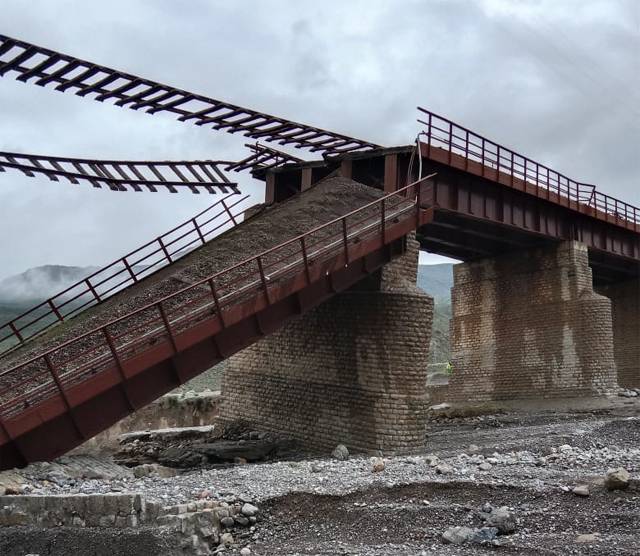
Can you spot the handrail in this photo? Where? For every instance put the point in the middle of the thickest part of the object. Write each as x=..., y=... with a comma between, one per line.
x=472, y=147
x=209, y=281
x=121, y=273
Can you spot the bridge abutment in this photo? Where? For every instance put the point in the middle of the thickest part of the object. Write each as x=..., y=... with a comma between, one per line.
x=529, y=325
x=352, y=370
x=625, y=304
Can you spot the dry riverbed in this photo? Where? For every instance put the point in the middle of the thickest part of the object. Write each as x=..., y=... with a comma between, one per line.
x=508, y=483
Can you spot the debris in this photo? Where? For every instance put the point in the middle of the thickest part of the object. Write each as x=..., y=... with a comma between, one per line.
x=617, y=479
x=341, y=453
x=581, y=490
x=377, y=465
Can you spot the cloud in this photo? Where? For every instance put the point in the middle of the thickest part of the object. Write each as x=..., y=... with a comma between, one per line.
x=557, y=81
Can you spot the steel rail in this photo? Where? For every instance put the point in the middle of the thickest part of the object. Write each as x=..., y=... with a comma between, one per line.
x=44, y=66
x=119, y=175
x=263, y=157
x=137, y=264
x=458, y=140
x=160, y=304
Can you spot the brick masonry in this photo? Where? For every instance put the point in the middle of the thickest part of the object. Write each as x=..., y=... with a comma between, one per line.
x=352, y=370
x=529, y=325
x=625, y=303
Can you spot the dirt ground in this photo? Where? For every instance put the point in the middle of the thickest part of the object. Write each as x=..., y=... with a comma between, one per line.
x=409, y=519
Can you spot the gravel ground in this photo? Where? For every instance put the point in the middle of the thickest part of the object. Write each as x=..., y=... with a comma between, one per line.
x=529, y=463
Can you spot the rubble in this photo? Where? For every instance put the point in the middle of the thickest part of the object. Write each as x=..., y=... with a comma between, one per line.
x=617, y=479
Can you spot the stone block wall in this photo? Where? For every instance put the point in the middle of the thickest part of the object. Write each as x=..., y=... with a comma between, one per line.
x=625, y=303
x=529, y=325
x=352, y=370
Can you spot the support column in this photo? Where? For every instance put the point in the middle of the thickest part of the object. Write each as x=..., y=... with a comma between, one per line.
x=529, y=325
x=351, y=371
x=625, y=303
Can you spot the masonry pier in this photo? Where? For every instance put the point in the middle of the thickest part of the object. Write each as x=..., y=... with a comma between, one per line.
x=353, y=370
x=625, y=305
x=530, y=325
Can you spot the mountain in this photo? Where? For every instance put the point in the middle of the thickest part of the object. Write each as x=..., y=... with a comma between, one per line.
x=39, y=283
x=437, y=280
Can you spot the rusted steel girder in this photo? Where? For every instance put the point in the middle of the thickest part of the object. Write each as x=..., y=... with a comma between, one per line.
x=459, y=147
x=28, y=62
x=119, y=175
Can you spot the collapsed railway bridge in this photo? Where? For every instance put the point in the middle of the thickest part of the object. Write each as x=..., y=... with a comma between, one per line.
x=311, y=296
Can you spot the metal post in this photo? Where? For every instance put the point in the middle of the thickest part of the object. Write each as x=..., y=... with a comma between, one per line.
x=167, y=325
x=382, y=221
x=128, y=267
x=195, y=225
x=263, y=278
x=93, y=290
x=63, y=394
x=55, y=309
x=306, y=260
x=15, y=330
x=226, y=208
x=116, y=358
x=164, y=250
x=216, y=300
x=345, y=240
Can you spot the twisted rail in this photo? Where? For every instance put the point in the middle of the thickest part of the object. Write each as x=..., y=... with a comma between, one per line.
x=120, y=174
x=127, y=270
x=489, y=159
x=66, y=73
x=112, y=344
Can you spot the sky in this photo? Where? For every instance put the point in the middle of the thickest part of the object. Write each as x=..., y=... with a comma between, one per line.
x=557, y=80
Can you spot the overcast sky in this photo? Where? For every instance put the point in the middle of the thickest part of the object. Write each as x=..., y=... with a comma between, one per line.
x=558, y=80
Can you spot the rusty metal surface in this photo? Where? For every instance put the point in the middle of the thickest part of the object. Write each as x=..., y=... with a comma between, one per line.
x=263, y=158
x=36, y=394
x=125, y=175
x=457, y=146
x=127, y=270
x=31, y=63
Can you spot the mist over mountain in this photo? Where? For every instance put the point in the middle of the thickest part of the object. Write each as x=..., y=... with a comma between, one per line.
x=39, y=283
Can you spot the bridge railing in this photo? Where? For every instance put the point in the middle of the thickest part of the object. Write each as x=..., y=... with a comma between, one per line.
x=131, y=268
x=489, y=159
x=110, y=345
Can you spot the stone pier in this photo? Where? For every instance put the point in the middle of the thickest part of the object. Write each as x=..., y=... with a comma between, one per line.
x=529, y=325
x=625, y=303
x=351, y=371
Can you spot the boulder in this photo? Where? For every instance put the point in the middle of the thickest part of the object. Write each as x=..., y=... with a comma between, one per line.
x=503, y=519
x=617, y=479
x=341, y=453
x=581, y=490
x=458, y=535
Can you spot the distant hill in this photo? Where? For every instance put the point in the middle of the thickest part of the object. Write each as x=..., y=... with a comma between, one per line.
x=437, y=280
x=41, y=282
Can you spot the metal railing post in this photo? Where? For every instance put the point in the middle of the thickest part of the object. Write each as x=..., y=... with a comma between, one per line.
x=345, y=240
x=216, y=301
x=167, y=325
x=226, y=208
x=263, y=279
x=307, y=272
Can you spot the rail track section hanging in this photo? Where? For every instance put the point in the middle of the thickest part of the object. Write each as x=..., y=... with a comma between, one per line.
x=125, y=175
x=30, y=63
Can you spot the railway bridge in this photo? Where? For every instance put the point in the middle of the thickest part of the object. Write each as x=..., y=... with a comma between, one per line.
x=311, y=297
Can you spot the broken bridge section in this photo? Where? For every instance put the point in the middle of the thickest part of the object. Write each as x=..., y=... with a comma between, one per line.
x=352, y=370
x=83, y=375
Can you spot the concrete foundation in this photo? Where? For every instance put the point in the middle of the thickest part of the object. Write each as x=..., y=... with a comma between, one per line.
x=529, y=325
x=351, y=371
x=625, y=303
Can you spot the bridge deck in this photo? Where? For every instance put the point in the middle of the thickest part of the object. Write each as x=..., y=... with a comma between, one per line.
x=82, y=376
